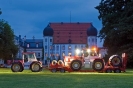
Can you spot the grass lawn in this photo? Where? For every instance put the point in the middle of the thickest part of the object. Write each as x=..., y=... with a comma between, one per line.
x=46, y=79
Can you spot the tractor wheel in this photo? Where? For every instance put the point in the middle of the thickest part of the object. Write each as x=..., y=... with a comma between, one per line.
x=17, y=67
x=98, y=65
x=60, y=62
x=108, y=71
x=117, y=70
x=35, y=67
x=54, y=62
x=53, y=70
x=62, y=70
x=115, y=61
x=75, y=65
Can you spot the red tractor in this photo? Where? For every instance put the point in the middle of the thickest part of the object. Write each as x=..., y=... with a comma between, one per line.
x=86, y=60
x=28, y=61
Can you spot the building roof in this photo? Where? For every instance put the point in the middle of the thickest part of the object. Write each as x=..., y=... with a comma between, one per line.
x=32, y=43
x=92, y=31
x=73, y=33
x=48, y=31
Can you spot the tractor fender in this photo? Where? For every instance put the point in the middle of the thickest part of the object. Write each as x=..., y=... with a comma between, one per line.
x=35, y=62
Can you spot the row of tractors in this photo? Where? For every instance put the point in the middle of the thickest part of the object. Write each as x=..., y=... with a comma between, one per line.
x=85, y=61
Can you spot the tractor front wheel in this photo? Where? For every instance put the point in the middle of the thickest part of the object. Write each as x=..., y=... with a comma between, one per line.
x=98, y=65
x=17, y=67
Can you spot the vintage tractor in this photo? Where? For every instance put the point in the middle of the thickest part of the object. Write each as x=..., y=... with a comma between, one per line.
x=28, y=61
x=87, y=60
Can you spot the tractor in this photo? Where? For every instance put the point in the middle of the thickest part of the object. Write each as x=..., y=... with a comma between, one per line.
x=28, y=61
x=86, y=60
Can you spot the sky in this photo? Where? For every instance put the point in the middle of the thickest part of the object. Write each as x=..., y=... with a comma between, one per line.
x=30, y=17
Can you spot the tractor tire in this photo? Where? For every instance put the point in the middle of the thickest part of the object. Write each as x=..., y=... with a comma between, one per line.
x=62, y=70
x=115, y=61
x=117, y=70
x=75, y=65
x=17, y=67
x=53, y=70
x=98, y=65
x=35, y=67
x=60, y=62
x=108, y=71
x=54, y=62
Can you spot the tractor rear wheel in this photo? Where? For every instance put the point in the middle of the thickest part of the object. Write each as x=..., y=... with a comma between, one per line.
x=115, y=61
x=35, y=67
x=17, y=67
x=75, y=65
x=98, y=65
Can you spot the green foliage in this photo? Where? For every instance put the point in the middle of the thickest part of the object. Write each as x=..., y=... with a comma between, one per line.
x=7, y=46
x=117, y=30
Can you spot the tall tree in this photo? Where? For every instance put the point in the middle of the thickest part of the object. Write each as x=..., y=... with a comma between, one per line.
x=7, y=46
x=117, y=30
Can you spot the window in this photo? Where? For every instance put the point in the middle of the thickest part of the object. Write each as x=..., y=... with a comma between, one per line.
x=38, y=54
x=63, y=47
x=92, y=40
x=28, y=45
x=51, y=47
x=45, y=47
x=57, y=47
x=45, y=40
x=46, y=54
x=36, y=44
x=75, y=46
x=69, y=47
x=50, y=40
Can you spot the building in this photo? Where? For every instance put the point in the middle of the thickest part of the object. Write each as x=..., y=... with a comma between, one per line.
x=63, y=38
x=33, y=45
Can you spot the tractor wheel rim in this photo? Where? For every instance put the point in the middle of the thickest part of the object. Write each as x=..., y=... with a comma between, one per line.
x=75, y=65
x=98, y=65
x=16, y=67
x=36, y=67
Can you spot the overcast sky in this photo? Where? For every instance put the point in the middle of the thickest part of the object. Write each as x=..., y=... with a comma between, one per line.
x=30, y=17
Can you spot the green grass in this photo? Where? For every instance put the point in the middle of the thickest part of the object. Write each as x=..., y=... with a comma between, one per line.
x=46, y=79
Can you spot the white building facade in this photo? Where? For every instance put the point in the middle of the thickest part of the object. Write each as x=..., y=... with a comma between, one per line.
x=61, y=39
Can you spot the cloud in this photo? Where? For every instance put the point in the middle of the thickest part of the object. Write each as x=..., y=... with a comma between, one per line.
x=30, y=17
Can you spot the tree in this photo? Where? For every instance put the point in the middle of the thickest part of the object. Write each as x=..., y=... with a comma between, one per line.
x=7, y=46
x=117, y=30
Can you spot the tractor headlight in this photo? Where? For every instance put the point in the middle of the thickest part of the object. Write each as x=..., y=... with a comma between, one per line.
x=77, y=51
